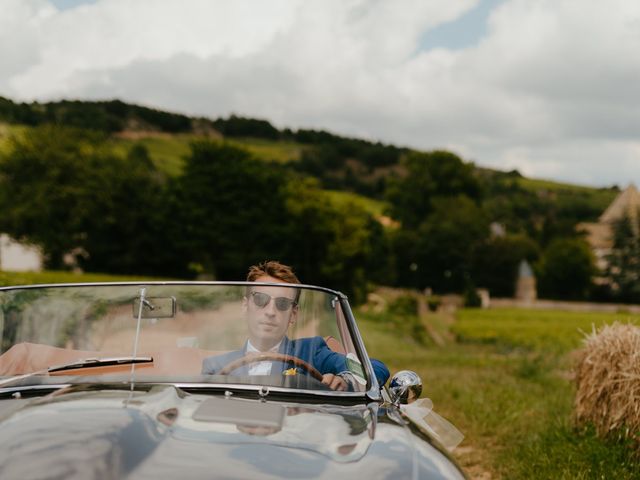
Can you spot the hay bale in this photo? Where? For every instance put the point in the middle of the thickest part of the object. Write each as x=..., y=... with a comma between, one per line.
x=607, y=375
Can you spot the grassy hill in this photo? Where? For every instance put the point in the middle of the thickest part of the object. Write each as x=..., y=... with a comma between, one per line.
x=6, y=131
x=596, y=199
x=359, y=169
x=169, y=150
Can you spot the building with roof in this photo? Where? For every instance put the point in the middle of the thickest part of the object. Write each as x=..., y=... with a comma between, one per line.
x=600, y=234
x=18, y=257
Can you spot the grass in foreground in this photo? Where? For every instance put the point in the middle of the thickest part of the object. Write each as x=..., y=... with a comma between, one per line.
x=511, y=397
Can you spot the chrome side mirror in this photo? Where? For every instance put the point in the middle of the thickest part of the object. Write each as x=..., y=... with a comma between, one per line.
x=405, y=387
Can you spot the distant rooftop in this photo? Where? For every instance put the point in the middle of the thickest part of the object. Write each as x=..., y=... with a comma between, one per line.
x=600, y=234
x=626, y=203
x=524, y=269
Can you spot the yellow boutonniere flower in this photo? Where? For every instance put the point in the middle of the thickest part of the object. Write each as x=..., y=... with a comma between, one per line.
x=291, y=371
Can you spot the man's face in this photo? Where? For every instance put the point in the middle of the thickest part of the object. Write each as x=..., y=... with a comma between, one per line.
x=270, y=311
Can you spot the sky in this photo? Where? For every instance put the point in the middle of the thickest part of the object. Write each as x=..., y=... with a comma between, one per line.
x=548, y=87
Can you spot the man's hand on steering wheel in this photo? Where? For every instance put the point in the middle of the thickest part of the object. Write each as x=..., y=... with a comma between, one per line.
x=334, y=382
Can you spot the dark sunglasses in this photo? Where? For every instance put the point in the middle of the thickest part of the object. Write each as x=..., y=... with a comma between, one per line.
x=262, y=300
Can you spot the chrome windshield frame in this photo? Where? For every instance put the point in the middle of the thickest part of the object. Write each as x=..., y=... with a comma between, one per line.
x=169, y=283
x=373, y=389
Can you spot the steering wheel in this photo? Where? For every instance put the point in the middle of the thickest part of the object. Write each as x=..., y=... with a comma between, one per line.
x=270, y=356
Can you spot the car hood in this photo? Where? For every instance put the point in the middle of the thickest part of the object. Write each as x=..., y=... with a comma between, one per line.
x=166, y=433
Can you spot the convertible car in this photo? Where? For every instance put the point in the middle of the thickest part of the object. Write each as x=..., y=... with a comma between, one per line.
x=204, y=380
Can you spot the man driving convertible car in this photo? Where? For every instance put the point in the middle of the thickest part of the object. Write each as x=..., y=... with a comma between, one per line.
x=270, y=311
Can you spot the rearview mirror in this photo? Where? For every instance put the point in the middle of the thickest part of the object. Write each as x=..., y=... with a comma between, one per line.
x=159, y=307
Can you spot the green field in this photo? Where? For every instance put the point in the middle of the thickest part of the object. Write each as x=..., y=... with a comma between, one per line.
x=7, y=131
x=550, y=331
x=32, y=278
x=168, y=152
x=280, y=151
x=598, y=199
x=505, y=383
x=343, y=199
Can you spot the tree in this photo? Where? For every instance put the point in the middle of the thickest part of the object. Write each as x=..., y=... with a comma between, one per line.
x=624, y=261
x=236, y=126
x=439, y=253
x=330, y=243
x=62, y=189
x=129, y=230
x=231, y=209
x=235, y=211
x=43, y=188
x=428, y=176
x=566, y=269
x=496, y=262
x=436, y=201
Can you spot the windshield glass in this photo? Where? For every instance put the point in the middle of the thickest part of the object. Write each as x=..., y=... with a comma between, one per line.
x=242, y=334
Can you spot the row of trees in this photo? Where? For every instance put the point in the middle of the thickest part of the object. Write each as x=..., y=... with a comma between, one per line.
x=445, y=240
x=65, y=190
x=105, y=116
x=338, y=162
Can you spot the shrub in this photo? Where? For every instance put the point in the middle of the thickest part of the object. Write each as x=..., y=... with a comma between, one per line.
x=403, y=314
x=404, y=305
x=471, y=297
x=566, y=269
x=434, y=302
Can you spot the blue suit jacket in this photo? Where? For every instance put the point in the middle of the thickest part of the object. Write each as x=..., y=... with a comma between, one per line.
x=313, y=350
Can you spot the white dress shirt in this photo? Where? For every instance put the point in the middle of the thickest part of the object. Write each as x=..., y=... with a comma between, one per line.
x=261, y=368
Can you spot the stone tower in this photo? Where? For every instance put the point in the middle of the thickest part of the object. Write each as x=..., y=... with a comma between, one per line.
x=526, y=283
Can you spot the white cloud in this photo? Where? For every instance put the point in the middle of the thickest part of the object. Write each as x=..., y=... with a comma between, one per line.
x=19, y=45
x=551, y=90
x=584, y=161
x=112, y=34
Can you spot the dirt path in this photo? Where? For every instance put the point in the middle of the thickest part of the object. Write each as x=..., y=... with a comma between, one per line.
x=472, y=459
x=423, y=315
